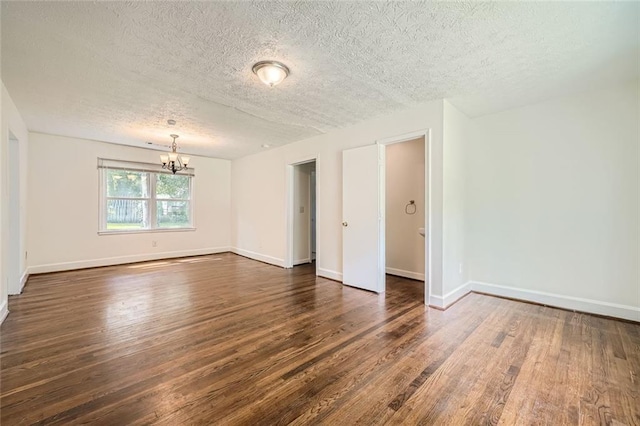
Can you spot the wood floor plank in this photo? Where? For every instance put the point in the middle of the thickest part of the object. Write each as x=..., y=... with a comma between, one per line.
x=273, y=387
x=391, y=366
x=222, y=339
x=486, y=403
x=462, y=377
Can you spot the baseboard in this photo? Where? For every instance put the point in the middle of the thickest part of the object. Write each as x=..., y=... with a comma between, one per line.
x=443, y=302
x=23, y=279
x=406, y=274
x=120, y=260
x=565, y=302
x=332, y=275
x=21, y=283
x=4, y=310
x=258, y=256
x=301, y=261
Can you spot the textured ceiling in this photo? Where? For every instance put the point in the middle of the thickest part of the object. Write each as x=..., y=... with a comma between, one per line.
x=116, y=71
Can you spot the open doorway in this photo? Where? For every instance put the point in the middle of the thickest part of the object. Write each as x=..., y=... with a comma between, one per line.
x=303, y=214
x=405, y=217
x=364, y=211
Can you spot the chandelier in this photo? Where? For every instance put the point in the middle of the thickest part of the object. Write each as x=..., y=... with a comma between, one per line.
x=172, y=161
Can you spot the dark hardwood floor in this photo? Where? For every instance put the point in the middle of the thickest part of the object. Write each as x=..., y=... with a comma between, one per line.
x=226, y=340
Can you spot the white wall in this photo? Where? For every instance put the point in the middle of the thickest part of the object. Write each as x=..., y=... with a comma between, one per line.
x=552, y=202
x=258, y=189
x=302, y=213
x=63, y=208
x=11, y=122
x=456, y=140
x=405, y=180
x=538, y=202
x=258, y=206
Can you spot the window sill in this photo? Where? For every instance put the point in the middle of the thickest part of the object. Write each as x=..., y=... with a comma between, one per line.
x=145, y=231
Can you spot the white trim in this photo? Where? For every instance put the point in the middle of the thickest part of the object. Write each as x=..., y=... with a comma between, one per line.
x=403, y=137
x=382, y=218
x=328, y=273
x=23, y=279
x=443, y=302
x=557, y=300
x=429, y=247
x=289, y=213
x=429, y=162
x=301, y=261
x=456, y=294
x=4, y=311
x=258, y=256
x=151, y=199
x=108, y=261
x=406, y=274
x=12, y=246
x=144, y=231
x=436, y=302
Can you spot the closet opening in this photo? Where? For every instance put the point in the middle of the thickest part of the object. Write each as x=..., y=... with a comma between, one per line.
x=405, y=218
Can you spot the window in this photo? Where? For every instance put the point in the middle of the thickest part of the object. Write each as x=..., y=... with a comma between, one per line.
x=139, y=197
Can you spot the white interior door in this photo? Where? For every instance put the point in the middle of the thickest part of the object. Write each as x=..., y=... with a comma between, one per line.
x=363, y=218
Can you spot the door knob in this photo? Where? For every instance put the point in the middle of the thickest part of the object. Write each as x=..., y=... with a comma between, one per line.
x=345, y=224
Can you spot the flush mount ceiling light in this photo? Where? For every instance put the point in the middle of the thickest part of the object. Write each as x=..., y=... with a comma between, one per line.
x=172, y=161
x=270, y=73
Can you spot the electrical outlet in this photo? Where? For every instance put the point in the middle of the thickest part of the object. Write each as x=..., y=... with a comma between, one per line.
x=301, y=209
x=154, y=244
x=26, y=255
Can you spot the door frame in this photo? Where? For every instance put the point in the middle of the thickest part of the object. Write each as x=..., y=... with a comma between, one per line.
x=428, y=204
x=13, y=238
x=289, y=207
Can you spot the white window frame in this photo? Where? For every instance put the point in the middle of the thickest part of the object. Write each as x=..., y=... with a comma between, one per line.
x=153, y=171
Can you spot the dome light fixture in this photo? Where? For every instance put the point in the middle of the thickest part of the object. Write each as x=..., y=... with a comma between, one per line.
x=271, y=73
x=172, y=161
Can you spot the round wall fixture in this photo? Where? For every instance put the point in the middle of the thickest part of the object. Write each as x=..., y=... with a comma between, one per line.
x=270, y=73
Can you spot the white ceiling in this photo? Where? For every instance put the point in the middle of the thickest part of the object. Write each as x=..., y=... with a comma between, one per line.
x=116, y=71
